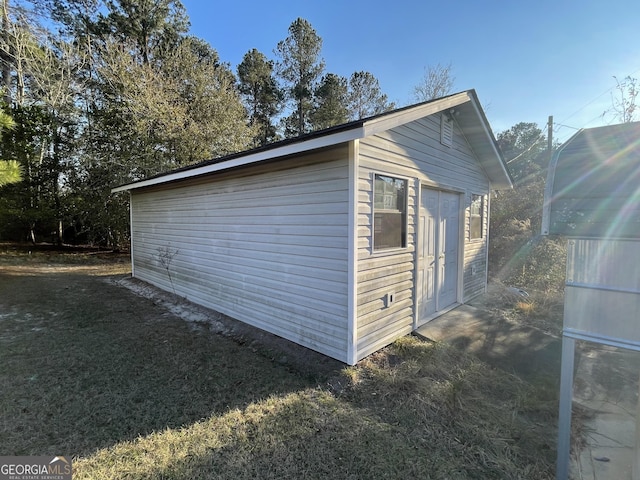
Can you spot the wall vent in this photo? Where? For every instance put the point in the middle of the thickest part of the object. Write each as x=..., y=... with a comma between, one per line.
x=446, y=130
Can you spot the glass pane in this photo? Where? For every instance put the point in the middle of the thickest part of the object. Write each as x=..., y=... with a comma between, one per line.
x=389, y=206
x=476, y=204
x=476, y=227
x=476, y=211
x=389, y=230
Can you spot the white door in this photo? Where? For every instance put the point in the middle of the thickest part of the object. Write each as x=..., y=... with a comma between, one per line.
x=439, y=231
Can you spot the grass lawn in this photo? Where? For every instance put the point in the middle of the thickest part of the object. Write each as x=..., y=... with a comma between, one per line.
x=128, y=390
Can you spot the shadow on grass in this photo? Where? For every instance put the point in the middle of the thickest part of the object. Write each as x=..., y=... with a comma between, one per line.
x=87, y=365
x=130, y=391
x=515, y=348
x=415, y=419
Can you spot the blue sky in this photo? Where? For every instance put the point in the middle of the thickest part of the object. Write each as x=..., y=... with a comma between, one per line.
x=526, y=60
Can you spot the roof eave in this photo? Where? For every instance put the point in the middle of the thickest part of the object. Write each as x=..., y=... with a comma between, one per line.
x=250, y=158
x=484, y=145
x=477, y=131
x=406, y=115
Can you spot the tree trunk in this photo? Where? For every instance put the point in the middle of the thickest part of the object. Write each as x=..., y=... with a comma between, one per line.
x=60, y=233
x=5, y=56
x=57, y=139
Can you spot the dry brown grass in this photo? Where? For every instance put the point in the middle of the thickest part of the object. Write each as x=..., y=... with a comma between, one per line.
x=539, y=309
x=131, y=391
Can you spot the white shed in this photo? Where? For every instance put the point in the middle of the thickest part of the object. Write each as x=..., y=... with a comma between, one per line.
x=341, y=240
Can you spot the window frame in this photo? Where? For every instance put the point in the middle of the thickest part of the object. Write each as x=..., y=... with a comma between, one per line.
x=480, y=215
x=405, y=220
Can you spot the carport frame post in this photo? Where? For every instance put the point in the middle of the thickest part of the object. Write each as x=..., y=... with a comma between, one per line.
x=566, y=400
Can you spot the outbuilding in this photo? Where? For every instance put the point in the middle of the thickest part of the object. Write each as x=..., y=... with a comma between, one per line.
x=341, y=240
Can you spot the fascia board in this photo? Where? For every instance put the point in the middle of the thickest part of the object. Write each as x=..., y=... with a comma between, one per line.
x=387, y=122
x=292, y=149
x=494, y=149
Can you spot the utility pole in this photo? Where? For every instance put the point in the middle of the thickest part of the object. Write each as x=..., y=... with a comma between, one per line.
x=550, y=137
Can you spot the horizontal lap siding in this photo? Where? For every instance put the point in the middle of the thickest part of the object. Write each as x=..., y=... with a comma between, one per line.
x=267, y=246
x=413, y=151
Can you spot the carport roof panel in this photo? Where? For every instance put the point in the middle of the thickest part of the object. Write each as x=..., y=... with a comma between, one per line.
x=593, y=187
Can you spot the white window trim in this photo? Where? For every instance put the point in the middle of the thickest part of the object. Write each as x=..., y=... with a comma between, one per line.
x=388, y=251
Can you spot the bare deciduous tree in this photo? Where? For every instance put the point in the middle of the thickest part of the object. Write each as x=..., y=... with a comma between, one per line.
x=436, y=82
x=623, y=100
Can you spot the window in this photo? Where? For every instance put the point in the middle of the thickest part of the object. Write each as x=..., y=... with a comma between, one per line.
x=389, y=213
x=476, y=217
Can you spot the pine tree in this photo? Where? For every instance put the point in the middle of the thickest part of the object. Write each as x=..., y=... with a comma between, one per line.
x=330, y=102
x=300, y=65
x=153, y=26
x=261, y=94
x=365, y=97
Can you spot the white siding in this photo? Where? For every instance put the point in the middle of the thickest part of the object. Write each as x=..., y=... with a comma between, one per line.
x=267, y=245
x=412, y=151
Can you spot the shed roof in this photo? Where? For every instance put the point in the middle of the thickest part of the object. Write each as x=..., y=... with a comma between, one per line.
x=468, y=115
x=593, y=184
